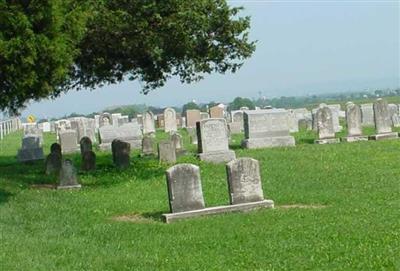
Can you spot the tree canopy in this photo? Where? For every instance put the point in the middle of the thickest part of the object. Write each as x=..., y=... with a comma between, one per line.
x=239, y=102
x=51, y=46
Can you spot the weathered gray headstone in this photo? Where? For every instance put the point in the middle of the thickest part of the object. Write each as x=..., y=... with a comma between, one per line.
x=177, y=140
x=192, y=135
x=129, y=132
x=170, y=120
x=121, y=153
x=266, y=128
x=383, y=121
x=148, y=123
x=367, y=115
x=325, y=124
x=31, y=149
x=88, y=160
x=68, y=141
x=354, y=123
x=204, y=115
x=147, y=145
x=105, y=119
x=184, y=188
x=213, y=142
x=244, y=181
x=166, y=151
x=86, y=145
x=68, y=176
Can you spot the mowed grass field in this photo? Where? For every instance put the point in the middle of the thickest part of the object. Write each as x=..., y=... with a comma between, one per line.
x=337, y=208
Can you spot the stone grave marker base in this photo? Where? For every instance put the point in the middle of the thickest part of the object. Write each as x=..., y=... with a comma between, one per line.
x=354, y=138
x=78, y=186
x=327, y=141
x=243, y=207
x=268, y=142
x=217, y=157
x=385, y=136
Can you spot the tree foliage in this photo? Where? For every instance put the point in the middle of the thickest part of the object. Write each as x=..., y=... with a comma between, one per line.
x=51, y=46
x=239, y=102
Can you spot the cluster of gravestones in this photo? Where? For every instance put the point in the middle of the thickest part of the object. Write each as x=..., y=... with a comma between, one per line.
x=382, y=120
x=186, y=195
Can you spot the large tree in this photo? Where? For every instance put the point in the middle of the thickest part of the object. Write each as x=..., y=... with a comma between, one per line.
x=51, y=46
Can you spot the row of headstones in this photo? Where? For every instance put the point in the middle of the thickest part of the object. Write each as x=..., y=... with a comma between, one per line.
x=185, y=190
x=382, y=120
x=63, y=168
x=8, y=126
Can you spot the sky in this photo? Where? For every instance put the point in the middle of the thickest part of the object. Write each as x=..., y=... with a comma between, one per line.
x=303, y=47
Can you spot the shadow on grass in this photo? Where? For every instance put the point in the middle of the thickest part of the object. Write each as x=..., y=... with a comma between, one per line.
x=4, y=196
x=155, y=216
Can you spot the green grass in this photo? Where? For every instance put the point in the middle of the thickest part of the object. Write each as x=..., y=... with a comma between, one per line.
x=359, y=228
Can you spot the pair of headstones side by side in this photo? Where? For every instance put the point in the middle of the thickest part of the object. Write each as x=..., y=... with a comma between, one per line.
x=186, y=195
x=63, y=169
x=383, y=121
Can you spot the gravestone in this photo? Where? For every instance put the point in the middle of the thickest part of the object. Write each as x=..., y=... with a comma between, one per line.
x=68, y=176
x=354, y=123
x=147, y=145
x=105, y=119
x=54, y=160
x=325, y=125
x=216, y=112
x=166, y=151
x=123, y=120
x=86, y=145
x=335, y=108
x=68, y=141
x=55, y=147
x=170, y=120
x=204, y=116
x=121, y=152
x=184, y=188
x=148, y=123
x=244, y=181
x=160, y=121
x=129, y=132
x=293, y=122
x=88, y=161
x=213, y=144
x=192, y=116
x=177, y=140
x=115, y=118
x=266, y=129
x=235, y=128
x=192, y=135
x=367, y=115
x=394, y=114
x=383, y=122
x=31, y=149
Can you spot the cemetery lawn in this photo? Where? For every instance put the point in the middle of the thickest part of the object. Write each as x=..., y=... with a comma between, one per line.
x=337, y=208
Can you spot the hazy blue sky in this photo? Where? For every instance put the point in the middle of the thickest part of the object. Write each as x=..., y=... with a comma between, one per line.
x=303, y=47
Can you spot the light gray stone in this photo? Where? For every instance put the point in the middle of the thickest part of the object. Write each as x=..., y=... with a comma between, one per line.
x=192, y=135
x=166, y=151
x=148, y=123
x=204, y=116
x=178, y=141
x=68, y=176
x=354, y=124
x=383, y=122
x=266, y=128
x=68, y=141
x=184, y=188
x=129, y=132
x=170, y=124
x=213, y=142
x=244, y=181
x=367, y=115
x=235, y=127
x=105, y=119
x=147, y=145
